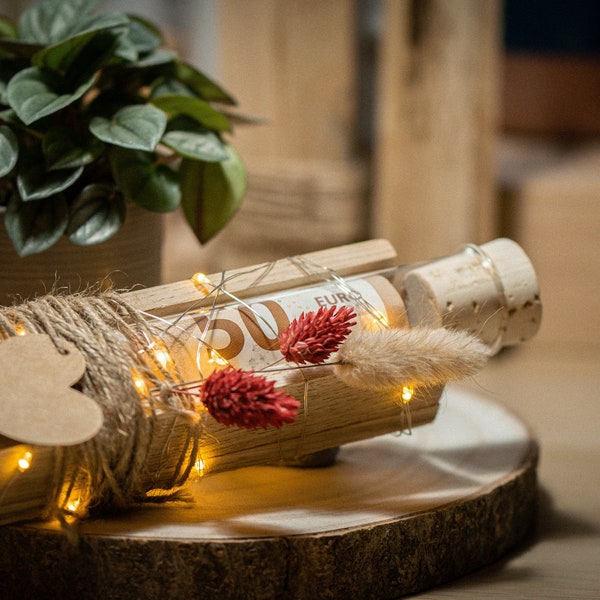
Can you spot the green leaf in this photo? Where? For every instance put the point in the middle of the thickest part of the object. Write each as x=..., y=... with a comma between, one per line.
x=139, y=127
x=35, y=93
x=7, y=28
x=63, y=149
x=144, y=35
x=102, y=22
x=95, y=215
x=98, y=35
x=61, y=56
x=9, y=150
x=52, y=21
x=153, y=187
x=202, y=85
x=35, y=183
x=165, y=86
x=188, y=138
x=211, y=193
x=35, y=226
x=124, y=50
x=196, y=108
x=158, y=57
x=200, y=145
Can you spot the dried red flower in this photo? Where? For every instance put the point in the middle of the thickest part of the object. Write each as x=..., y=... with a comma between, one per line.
x=314, y=336
x=242, y=398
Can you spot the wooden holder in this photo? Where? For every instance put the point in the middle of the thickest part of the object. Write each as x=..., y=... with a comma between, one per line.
x=336, y=415
x=333, y=414
x=392, y=516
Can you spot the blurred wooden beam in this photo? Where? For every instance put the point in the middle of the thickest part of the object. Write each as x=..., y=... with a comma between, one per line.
x=293, y=64
x=435, y=124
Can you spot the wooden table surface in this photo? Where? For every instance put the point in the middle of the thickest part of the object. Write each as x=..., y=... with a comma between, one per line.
x=556, y=390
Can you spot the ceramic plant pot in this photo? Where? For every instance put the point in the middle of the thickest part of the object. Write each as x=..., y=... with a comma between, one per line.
x=131, y=257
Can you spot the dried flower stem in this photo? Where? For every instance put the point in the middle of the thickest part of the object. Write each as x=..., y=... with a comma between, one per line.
x=418, y=356
x=242, y=398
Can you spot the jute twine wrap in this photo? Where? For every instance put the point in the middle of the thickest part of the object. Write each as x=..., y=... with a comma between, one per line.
x=111, y=472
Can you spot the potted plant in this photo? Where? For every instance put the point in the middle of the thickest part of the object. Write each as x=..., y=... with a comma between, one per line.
x=98, y=118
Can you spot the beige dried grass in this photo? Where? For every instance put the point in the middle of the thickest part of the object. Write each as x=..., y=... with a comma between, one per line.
x=390, y=358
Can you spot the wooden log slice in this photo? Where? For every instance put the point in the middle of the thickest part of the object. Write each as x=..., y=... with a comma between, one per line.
x=393, y=515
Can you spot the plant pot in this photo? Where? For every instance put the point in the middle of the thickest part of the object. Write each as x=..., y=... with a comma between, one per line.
x=131, y=257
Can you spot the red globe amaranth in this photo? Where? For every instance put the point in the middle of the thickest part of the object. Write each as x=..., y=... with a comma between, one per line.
x=242, y=398
x=314, y=336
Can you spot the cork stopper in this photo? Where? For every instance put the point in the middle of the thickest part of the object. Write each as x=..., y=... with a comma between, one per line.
x=489, y=290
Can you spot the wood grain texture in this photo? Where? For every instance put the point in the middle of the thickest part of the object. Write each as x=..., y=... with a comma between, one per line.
x=131, y=257
x=293, y=206
x=351, y=259
x=295, y=66
x=298, y=73
x=393, y=516
x=435, y=127
x=562, y=559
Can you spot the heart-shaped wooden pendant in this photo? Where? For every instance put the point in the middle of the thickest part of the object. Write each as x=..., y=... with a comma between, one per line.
x=37, y=403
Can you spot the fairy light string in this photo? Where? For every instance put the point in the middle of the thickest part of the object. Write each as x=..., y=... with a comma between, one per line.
x=217, y=290
x=131, y=373
x=110, y=471
x=330, y=276
x=486, y=263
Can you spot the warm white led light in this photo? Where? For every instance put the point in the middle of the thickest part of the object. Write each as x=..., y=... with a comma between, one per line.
x=216, y=358
x=407, y=394
x=373, y=320
x=25, y=461
x=201, y=281
x=139, y=382
x=379, y=317
x=162, y=356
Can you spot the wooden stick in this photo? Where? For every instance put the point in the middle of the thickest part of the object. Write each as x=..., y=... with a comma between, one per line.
x=174, y=298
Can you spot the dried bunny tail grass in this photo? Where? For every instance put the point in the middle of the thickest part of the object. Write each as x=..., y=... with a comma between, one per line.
x=419, y=356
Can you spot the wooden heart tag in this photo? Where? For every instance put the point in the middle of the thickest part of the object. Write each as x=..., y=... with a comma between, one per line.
x=37, y=403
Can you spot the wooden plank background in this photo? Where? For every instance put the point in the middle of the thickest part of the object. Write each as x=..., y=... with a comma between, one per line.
x=424, y=179
x=436, y=122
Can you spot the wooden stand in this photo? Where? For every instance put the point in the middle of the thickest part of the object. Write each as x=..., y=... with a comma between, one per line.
x=394, y=515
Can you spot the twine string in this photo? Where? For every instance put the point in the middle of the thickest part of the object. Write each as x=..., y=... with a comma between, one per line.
x=110, y=471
